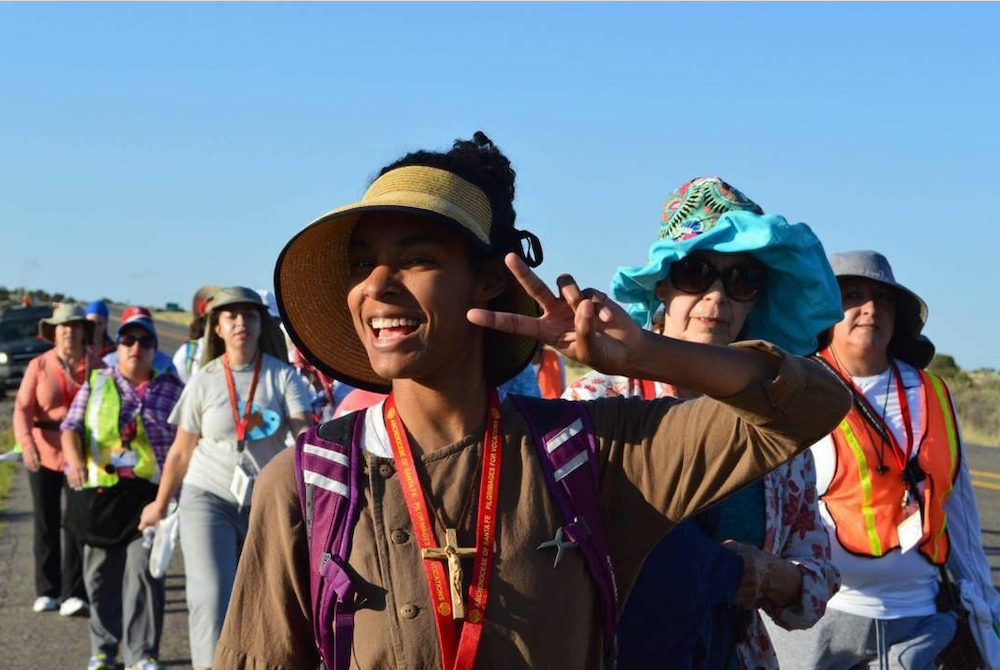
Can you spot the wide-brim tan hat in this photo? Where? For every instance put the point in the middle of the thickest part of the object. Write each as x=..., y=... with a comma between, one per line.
x=311, y=275
x=62, y=314
x=271, y=339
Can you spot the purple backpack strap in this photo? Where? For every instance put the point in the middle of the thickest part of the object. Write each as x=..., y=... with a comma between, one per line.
x=567, y=449
x=327, y=475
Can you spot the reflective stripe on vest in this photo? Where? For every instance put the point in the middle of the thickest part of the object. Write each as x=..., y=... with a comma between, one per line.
x=103, y=438
x=866, y=506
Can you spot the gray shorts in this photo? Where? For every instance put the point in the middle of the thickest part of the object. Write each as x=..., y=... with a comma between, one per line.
x=843, y=641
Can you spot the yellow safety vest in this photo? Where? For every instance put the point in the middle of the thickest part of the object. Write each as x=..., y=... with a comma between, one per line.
x=102, y=438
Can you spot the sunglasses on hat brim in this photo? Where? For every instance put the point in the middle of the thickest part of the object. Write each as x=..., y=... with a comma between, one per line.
x=742, y=283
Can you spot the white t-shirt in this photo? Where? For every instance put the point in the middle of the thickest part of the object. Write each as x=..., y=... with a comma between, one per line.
x=896, y=584
x=204, y=408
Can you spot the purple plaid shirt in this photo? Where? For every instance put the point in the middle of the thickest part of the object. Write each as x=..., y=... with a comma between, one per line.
x=162, y=394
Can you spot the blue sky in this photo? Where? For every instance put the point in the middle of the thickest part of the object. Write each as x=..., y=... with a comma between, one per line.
x=146, y=149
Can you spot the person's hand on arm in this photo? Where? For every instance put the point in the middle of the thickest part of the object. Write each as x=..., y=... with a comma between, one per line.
x=590, y=328
x=174, y=469
x=76, y=468
x=766, y=578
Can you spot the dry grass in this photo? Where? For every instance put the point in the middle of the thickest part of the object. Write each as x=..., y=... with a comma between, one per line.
x=7, y=470
x=182, y=318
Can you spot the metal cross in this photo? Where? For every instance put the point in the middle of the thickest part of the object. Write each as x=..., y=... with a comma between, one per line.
x=452, y=553
x=559, y=545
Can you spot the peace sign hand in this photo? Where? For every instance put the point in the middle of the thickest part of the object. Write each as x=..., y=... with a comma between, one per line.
x=586, y=326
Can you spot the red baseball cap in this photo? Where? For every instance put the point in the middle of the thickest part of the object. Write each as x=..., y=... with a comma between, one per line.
x=138, y=316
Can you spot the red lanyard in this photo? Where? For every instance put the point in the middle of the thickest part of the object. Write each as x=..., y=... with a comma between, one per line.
x=904, y=408
x=486, y=522
x=241, y=425
x=902, y=457
x=648, y=389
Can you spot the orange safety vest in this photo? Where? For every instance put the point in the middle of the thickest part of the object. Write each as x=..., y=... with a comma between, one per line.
x=550, y=375
x=866, y=506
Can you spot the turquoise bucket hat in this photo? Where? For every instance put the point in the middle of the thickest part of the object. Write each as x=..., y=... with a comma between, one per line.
x=802, y=297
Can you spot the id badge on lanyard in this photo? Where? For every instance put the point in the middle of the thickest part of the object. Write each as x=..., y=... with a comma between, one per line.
x=244, y=474
x=911, y=529
x=246, y=469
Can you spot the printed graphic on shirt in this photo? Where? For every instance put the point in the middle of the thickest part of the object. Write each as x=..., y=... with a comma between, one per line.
x=261, y=423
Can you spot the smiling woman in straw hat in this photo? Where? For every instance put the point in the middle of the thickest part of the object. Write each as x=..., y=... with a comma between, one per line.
x=722, y=270
x=450, y=526
x=232, y=418
x=47, y=389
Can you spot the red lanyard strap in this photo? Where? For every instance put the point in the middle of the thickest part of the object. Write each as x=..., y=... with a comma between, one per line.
x=648, y=389
x=904, y=408
x=241, y=425
x=902, y=457
x=486, y=523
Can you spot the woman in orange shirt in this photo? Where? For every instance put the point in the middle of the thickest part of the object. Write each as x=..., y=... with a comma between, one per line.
x=45, y=394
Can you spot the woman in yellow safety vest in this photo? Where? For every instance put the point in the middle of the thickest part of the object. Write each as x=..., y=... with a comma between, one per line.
x=115, y=438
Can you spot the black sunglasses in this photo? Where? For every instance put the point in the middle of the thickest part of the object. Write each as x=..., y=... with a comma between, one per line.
x=145, y=341
x=742, y=283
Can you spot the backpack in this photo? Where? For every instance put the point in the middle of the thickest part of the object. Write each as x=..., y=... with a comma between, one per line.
x=327, y=474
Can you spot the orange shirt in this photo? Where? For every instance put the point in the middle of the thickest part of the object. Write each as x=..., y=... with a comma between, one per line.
x=41, y=398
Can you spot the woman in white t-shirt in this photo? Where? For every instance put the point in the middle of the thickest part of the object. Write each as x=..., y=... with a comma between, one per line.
x=232, y=418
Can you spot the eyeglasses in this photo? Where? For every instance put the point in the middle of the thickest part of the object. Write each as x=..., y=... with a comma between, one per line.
x=742, y=283
x=145, y=341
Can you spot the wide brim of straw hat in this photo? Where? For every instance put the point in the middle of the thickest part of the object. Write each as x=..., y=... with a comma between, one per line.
x=61, y=315
x=311, y=283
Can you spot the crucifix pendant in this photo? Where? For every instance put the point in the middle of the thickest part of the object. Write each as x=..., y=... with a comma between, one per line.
x=452, y=553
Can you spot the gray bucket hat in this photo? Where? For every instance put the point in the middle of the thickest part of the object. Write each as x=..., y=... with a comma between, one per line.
x=64, y=313
x=911, y=311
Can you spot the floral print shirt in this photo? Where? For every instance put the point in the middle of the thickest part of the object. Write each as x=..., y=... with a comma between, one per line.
x=793, y=529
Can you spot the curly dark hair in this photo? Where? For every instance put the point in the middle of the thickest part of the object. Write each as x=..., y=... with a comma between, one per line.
x=481, y=162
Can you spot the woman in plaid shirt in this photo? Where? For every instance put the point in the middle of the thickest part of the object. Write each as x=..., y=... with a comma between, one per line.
x=121, y=415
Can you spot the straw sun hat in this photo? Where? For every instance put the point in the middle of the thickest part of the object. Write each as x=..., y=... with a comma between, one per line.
x=311, y=275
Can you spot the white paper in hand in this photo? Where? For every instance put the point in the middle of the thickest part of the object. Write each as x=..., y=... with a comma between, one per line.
x=163, y=545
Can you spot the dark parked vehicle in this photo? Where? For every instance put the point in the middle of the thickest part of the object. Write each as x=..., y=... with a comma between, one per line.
x=19, y=342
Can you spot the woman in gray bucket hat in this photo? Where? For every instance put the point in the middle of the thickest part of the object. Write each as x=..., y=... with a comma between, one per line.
x=895, y=496
x=232, y=418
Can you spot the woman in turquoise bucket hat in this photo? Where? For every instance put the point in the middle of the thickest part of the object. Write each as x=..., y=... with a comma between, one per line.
x=721, y=270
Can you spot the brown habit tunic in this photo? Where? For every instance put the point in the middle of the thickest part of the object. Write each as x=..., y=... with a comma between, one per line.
x=661, y=462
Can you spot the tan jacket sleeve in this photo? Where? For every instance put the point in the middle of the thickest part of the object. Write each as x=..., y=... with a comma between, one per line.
x=665, y=461
x=269, y=621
